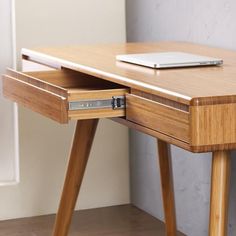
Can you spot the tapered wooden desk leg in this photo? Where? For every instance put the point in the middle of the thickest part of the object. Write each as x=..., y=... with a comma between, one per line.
x=167, y=188
x=83, y=138
x=219, y=193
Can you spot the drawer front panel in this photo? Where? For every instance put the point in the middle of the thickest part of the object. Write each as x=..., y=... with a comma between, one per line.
x=39, y=100
x=162, y=118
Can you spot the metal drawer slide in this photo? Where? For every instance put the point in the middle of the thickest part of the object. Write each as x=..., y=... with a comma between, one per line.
x=116, y=102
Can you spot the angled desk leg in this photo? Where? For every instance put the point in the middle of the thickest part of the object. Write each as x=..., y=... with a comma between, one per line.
x=219, y=193
x=83, y=139
x=167, y=188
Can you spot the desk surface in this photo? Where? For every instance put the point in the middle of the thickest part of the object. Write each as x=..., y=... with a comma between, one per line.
x=185, y=85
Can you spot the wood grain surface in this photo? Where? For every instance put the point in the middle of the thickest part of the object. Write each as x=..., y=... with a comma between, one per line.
x=35, y=98
x=213, y=127
x=158, y=116
x=219, y=193
x=82, y=143
x=167, y=187
x=179, y=84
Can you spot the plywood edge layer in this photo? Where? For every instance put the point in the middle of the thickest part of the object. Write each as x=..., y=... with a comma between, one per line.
x=212, y=148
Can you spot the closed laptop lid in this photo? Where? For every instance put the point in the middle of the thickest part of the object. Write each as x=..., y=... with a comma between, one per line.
x=169, y=59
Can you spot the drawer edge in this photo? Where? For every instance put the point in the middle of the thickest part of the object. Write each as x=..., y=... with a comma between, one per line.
x=39, y=100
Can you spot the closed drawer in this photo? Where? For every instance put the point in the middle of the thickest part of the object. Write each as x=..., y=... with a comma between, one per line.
x=166, y=119
x=64, y=94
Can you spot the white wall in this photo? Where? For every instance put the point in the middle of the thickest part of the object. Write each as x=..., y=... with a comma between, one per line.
x=44, y=144
x=210, y=22
x=8, y=118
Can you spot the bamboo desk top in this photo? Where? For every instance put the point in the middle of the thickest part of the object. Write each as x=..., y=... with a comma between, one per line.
x=183, y=85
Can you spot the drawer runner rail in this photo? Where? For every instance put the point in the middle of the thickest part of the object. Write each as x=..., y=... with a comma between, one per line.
x=116, y=102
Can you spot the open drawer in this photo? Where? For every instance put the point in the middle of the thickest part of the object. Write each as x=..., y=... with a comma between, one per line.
x=64, y=94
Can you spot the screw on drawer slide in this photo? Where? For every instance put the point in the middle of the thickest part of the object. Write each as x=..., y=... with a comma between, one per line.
x=116, y=102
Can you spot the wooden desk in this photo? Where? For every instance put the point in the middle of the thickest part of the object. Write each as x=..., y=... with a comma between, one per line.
x=193, y=108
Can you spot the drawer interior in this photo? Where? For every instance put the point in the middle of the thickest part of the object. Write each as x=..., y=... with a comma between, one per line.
x=71, y=80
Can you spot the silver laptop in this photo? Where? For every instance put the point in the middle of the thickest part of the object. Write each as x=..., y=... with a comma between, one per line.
x=169, y=59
